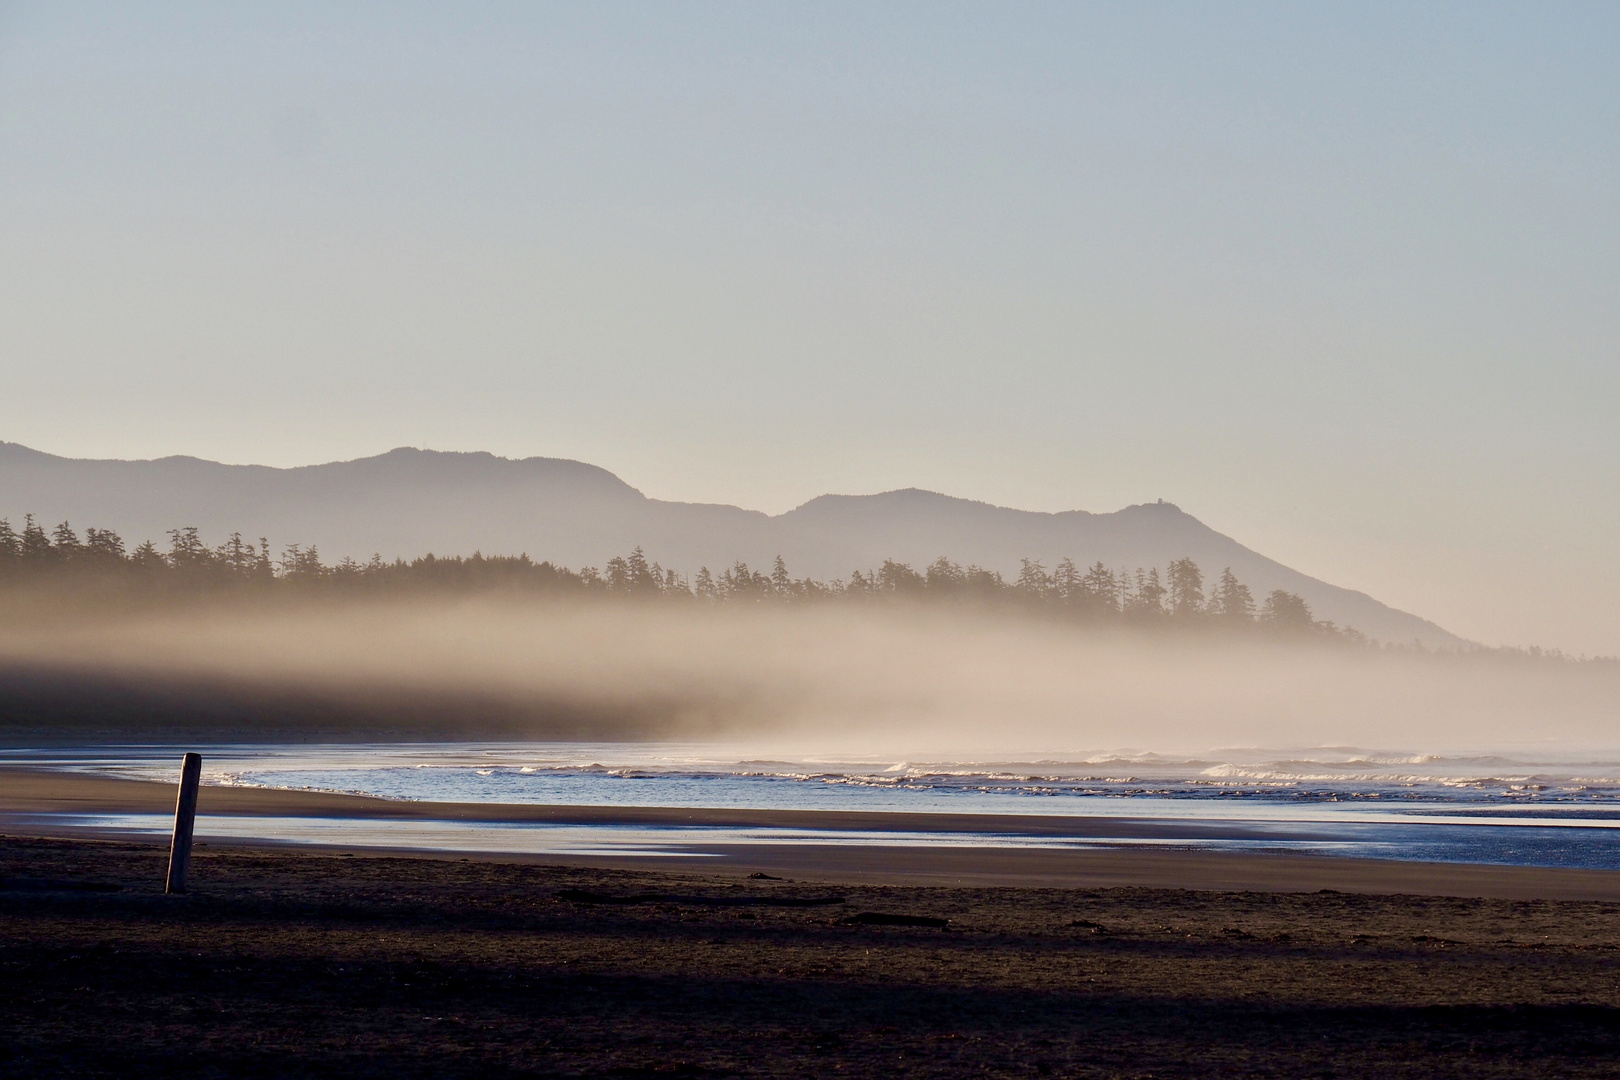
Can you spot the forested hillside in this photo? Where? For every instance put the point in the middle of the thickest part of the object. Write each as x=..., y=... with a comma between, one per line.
x=408, y=502
x=1177, y=595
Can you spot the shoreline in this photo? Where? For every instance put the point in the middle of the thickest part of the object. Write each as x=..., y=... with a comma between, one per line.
x=28, y=794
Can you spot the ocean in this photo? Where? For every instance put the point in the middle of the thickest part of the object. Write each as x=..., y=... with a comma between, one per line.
x=1519, y=808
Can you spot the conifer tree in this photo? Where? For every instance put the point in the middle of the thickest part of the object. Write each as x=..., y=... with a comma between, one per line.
x=900, y=578
x=104, y=546
x=1033, y=580
x=236, y=555
x=64, y=542
x=1147, y=599
x=1286, y=611
x=1099, y=589
x=186, y=549
x=640, y=577
x=1232, y=600
x=944, y=577
x=36, y=546
x=148, y=558
x=1067, y=581
x=983, y=583
x=617, y=572
x=1186, y=584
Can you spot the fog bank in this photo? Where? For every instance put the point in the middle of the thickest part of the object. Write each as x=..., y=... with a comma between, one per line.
x=890, y=679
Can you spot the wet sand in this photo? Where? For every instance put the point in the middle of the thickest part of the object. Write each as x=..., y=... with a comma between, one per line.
x=289, y=963
x=31, y=792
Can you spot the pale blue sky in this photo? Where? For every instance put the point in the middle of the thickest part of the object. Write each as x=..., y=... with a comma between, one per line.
x=1344, y=281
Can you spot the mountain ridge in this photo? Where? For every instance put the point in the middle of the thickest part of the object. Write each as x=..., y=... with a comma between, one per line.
x=575, y=513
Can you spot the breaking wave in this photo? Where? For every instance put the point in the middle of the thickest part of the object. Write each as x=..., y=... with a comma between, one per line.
x=669, y=774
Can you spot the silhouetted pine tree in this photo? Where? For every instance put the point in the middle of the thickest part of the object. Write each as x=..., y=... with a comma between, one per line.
x=1231, y=600
x=36, y=546
x=1186, y=585
x=1286, y=611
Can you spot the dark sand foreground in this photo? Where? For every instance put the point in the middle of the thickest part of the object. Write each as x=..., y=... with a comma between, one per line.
x=286, y=964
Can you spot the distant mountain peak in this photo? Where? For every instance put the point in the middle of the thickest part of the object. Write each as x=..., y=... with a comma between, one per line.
x=899, y=498
x=412, y=501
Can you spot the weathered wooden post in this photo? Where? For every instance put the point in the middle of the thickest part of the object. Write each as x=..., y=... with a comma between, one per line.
x=185, y=816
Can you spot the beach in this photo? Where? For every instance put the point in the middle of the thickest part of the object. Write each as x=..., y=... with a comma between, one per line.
x=293, y=963
x=767, y=959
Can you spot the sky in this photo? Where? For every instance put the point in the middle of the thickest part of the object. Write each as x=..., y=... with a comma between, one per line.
x=1343, y=281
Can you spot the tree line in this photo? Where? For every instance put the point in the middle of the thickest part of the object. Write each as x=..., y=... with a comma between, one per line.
x=1175, y=595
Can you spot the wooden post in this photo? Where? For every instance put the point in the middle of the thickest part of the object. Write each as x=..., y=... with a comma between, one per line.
x=185, y=816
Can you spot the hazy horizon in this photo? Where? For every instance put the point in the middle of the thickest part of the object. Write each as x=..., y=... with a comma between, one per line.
x=409, y=503
x=1342, y=283
x=541, y=551
x=890, y=679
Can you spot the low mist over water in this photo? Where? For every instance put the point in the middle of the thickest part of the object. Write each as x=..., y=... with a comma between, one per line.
x=892, y=679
